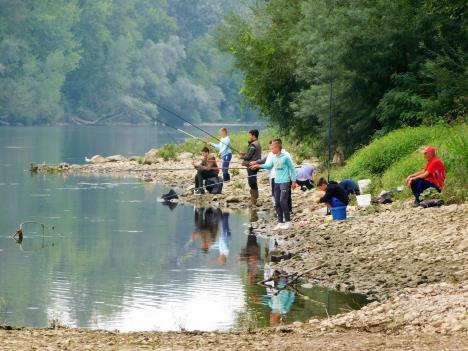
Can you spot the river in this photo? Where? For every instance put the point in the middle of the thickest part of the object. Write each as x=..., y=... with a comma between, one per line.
x=112, y=257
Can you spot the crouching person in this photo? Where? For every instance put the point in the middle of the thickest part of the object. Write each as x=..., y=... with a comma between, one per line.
x=432, y=176
x=285, y=179
x=207, y=168
x=335, y=195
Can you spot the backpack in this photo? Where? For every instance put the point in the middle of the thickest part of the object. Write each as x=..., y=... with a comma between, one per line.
x=214, y=185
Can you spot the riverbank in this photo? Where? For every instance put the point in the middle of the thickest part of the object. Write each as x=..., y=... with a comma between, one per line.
x=411, y=261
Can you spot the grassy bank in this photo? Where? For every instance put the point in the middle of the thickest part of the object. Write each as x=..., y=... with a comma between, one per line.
x=389, y=159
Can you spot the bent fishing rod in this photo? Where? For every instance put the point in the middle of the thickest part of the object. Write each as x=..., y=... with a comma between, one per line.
x=186, y=121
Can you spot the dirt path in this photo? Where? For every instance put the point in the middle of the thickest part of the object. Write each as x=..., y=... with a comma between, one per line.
x=301, y=338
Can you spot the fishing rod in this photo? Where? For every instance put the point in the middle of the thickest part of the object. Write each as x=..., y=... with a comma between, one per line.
x=186, y=121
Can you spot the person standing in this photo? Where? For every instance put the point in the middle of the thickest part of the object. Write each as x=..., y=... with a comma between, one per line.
x=225, y=152
x=267, y=159
x=254, y=153
x=285, y=180
x=432, y=176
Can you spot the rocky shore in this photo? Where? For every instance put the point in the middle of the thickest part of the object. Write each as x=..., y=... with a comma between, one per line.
x=413, y=262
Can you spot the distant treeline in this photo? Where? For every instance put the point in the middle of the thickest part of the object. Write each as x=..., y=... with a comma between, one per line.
x=108, y=60
x=391, y=63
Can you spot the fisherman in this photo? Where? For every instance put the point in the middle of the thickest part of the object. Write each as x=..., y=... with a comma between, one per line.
x=335, y=195
x=267, y=159
x=350, y=186
x=207, y=168
x=254, y=153
x=285, y=179
x=306, y=176
x=225, y=152
x=432, y=176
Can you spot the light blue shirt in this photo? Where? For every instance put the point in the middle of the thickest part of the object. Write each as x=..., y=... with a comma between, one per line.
x=223, y=146
x=284, y=168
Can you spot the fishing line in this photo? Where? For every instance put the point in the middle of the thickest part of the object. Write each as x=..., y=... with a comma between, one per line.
x=185, y=120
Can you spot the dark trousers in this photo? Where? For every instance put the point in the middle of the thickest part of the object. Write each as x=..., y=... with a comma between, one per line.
x=201, y=176
x=226, y=161
x=273, y=195
x=252, y=179
x=419, y=185
x=282, y=196
x=308, y=183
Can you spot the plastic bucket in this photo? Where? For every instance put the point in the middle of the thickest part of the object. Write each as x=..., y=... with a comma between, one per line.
x=338, y=213
x=364, y=200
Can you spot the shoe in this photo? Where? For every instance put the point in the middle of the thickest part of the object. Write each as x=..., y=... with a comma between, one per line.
x=415, y=204
x=303, y=188
x=286, y=225
x=198, y=192
x=279, y=226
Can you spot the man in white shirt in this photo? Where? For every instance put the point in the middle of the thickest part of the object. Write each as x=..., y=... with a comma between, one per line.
x=225, y=152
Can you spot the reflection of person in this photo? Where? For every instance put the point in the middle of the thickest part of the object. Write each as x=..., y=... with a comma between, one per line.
x=207, y=168
x=251, y=252
x=224, y=239
x=207, y=226
x=224, y=147
x=432, y=176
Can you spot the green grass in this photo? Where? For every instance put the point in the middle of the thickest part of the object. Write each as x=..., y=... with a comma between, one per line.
x=389, y=159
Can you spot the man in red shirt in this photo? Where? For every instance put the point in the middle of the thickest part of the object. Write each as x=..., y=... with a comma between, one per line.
x=432, y=176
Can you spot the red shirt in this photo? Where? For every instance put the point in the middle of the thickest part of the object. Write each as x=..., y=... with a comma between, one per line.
x=436, y=170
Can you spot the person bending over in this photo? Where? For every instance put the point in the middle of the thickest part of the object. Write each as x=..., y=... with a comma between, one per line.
x=285, y=179
x=207, y=168
x=350, y=186
x=432, y=176
x=225, y=152
x=306, y=177
x=335, y=195
x=254, y=153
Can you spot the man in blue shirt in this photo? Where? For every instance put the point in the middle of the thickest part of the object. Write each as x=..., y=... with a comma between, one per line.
x=285, y=179
x=225, y=152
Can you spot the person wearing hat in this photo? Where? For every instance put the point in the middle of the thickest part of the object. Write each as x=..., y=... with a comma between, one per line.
x=432, y=176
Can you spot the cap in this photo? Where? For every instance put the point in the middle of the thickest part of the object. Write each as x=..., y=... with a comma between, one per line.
x=428, y=149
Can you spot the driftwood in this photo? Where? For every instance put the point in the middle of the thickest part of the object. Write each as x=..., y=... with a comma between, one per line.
x=19, y=234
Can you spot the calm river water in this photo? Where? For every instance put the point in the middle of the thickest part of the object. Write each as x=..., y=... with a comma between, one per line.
x=116, y=258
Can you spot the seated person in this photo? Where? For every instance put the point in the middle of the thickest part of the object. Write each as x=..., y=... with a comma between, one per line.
x=432, y=176
x=335, y=195
x=207, y=168
x=350, y=186
x=305, y=177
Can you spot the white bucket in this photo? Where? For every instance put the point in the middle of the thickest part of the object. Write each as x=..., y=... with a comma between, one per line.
x=364, y=184
x=364, y=200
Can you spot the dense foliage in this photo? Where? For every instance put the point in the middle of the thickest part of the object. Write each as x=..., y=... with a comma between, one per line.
x=85, y=60
x=391, y=64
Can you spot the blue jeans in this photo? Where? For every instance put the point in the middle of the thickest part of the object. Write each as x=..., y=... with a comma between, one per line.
x=282, y=195
x=226, y=160
x=419, y=185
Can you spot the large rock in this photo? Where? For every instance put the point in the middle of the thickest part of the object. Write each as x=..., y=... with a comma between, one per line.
x=151, y=156
x=97, y=159
x=116, y=158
